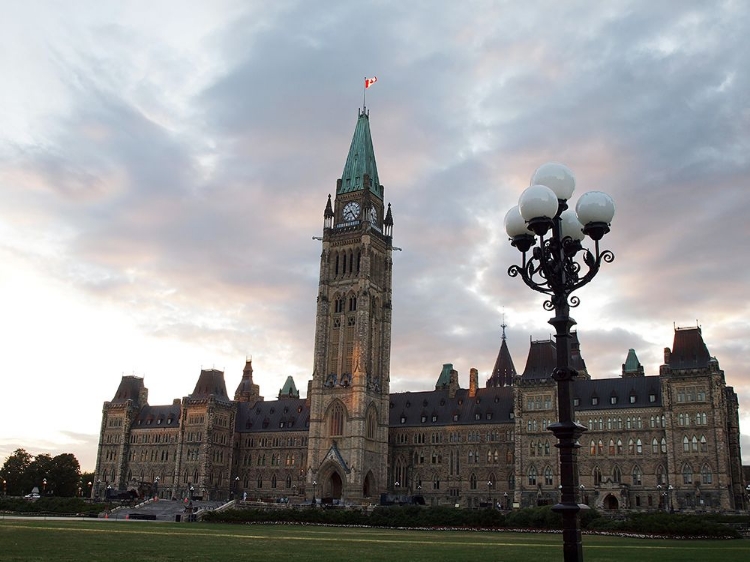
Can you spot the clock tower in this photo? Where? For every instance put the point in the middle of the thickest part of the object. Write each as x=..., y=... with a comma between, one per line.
x=349, y=394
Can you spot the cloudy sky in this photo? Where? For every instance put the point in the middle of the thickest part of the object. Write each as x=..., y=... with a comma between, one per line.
x=165, y=165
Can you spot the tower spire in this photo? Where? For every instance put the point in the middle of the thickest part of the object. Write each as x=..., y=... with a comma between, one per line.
x=361, y=171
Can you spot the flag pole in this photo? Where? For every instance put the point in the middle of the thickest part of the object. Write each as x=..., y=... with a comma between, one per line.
x=364, y=94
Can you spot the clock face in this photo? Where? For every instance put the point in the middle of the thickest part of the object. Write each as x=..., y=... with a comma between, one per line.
x=351, y=211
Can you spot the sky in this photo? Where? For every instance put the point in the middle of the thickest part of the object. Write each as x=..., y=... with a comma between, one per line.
x=164, y=167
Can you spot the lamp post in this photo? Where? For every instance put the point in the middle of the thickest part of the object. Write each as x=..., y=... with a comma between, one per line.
x=661, y=497
x=552, y=269
x=670, y=489
x=90, y=485
x=315, y=483
x=505, y=500
x=156, y=488
x=44, y=486
x=5, y=488
x=236, y=486
x=98, y=488
x=489, y=489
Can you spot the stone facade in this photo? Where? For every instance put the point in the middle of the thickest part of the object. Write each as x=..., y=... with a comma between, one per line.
x=666, y=441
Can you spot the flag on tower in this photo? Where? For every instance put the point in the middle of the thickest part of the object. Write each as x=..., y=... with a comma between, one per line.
x=370, y=81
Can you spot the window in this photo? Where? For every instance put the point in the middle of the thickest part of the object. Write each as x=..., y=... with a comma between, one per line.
x=597, y=476
x=594, y=400
x=619, y=446
x=611, y=447
x=631, y=447
x=687, y=474
x=613, y=399
x=694, y=443
x=548, y=476
x=576, y=401
x=704, y=445
x=633, y=398
x=706, y=475
x=639, y=447
x=652, y=398
x=593, y=448
x=617, y=475
x=636, y=476
x=600, y=447
x=654, y=446
x=336, y=426
x=532, y=476
x=663, y=445
x=473, y=481
x=685, y=445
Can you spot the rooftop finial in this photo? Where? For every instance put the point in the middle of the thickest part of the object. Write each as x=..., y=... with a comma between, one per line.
x=503, y=325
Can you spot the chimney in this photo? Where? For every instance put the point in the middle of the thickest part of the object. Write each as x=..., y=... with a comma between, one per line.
x=473, y=382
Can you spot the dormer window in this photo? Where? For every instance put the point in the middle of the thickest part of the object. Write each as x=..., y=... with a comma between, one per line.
x=613, y=399
x=594, y=400
x=633, y=398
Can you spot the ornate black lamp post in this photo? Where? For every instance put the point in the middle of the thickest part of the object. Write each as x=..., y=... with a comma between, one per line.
x=552, y=269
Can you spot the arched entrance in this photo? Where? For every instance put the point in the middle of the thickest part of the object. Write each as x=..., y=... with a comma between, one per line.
x=369, y=485
x=334, y=486
x=610, y=502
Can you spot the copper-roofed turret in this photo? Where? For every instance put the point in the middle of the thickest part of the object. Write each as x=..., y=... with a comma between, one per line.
x=289, y=391
x=632, y=367
x=504, y=371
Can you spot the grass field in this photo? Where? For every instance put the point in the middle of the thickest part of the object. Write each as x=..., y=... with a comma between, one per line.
x=131, y=541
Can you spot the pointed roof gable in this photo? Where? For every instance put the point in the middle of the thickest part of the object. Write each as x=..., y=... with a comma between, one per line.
x=504, y=370
x=632, y=367
x=360, y=170
x=289, y=390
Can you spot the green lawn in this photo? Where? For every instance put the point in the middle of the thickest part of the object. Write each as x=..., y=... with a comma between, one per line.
x=131, y=541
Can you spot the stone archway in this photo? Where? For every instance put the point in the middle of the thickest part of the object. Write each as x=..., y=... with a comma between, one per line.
x=610, y=502
x=334, y=486
x=368, y=485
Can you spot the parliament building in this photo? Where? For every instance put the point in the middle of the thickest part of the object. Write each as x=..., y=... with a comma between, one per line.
x=668, y=441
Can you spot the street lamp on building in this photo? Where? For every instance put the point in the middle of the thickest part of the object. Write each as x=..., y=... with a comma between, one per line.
x=552, y=269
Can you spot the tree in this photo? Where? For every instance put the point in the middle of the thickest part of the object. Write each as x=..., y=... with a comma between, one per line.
x=39, y=473
x=64, y=475
x=15, y=473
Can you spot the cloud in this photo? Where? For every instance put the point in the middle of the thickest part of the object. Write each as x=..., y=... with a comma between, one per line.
x=179, y=163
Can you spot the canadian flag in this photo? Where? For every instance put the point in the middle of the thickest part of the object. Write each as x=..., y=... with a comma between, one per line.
x=370, y=81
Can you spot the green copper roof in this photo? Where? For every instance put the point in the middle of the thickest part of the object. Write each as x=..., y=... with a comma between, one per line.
x=445, y=375
x=631, y=363
x=289, y=389
x=361, y=161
